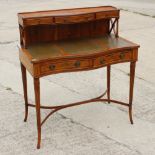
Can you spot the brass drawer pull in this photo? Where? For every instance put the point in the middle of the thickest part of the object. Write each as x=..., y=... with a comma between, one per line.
x=122, y=55
x=102, y=61
x=77, y=64
x=52, y=67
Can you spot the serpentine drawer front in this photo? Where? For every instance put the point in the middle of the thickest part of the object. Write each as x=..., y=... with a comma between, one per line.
x=80, y=64
x=78, y=39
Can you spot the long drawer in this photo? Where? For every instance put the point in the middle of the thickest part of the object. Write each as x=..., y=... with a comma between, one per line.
x=116, y=57
x=60, y=66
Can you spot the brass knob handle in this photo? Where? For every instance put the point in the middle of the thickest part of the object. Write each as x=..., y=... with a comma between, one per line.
x=52, y=67
x=77, y=64
x=122, y=55
x=102, y=61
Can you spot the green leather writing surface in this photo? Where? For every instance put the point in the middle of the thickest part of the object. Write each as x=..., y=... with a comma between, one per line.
x=44, y=50
x=84, y=46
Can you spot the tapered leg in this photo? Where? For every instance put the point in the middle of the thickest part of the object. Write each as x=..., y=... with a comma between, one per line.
x=132, y=76
x=108, y=82
x=38, y=115
x=24, y=78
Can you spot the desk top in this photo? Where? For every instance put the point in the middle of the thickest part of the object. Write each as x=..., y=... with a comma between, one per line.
x=78, y=47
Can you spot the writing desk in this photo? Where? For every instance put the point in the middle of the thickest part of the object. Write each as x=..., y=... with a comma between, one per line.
x=70, y=40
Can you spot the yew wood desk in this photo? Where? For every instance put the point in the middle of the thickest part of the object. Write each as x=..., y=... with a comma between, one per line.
x=70, y=40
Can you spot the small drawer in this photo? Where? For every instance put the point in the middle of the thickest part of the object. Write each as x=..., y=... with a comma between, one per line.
x=31, y=21
x=47, y=20
x=108, y=14
x=37, y=21
x=113, y=58
x=69, y=65
x=74, y=19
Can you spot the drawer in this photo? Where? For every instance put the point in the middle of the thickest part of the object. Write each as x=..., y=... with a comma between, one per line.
x=108, y=14
x=69, y=65
x=37, y=21
x=113, y=58
x=47, y=20
x=74, y=19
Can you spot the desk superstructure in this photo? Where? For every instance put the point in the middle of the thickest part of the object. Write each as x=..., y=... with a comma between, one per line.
x=71, y=40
